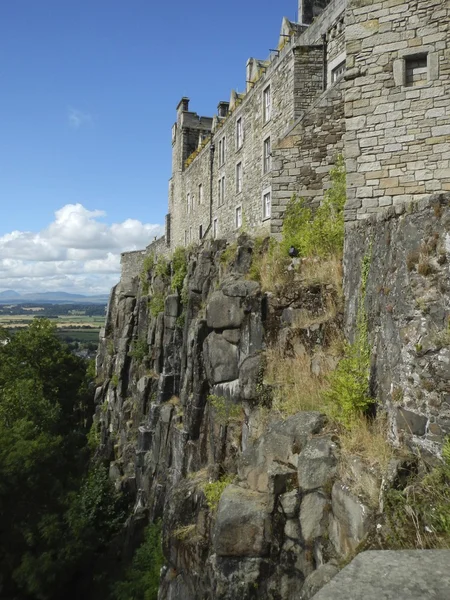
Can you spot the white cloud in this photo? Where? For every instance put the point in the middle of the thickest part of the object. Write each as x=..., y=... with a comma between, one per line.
x=78, y=118
x=77, y=252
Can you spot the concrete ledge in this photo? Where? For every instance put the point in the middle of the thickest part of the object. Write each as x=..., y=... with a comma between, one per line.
x=392, y=575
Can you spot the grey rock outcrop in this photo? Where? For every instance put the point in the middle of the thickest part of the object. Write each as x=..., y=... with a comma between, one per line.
x=392, y=575
x=243, y=523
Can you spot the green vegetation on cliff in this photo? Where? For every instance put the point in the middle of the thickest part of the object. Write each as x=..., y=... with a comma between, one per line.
x=141, y=580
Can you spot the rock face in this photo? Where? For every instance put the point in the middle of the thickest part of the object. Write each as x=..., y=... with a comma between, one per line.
x=243, y=523
x=181, y=405
x=182, y=402
x=401, y=575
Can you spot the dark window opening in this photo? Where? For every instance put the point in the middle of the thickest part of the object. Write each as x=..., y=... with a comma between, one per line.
x=416, y=70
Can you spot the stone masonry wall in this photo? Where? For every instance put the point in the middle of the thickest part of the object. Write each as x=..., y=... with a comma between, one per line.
x=407, y=303
x=304, y=157
x=131, y=265
x=397, y=103
x=279, y=75
x=296, y=77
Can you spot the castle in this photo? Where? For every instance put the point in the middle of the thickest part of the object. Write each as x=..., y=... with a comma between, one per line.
x=367, y=79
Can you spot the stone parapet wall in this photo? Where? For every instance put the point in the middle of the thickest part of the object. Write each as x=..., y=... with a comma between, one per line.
x=158, y=247
x=131, y=265
x=398, y=111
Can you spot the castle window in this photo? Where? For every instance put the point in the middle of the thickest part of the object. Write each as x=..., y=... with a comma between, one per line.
x=238, y=217
x=267, y=156
x=267, y=203
x=267, y=104
x=189, y=203
x=221, y=191
x=215, y=229
x=239, y=134
x=416, y=70
x=338, y=72
x=239, y=178
x=416, y=67
x=200, y=232
x=185, y=238
x=190, y=235
x=222, y=151
x=200, y=194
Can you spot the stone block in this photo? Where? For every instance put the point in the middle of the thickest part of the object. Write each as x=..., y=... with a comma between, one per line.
x=313, y=516
x=317, y=464
x=350, y=520
x=392, y=575
x=243, y=524
x=224, y=312
x=221, y=359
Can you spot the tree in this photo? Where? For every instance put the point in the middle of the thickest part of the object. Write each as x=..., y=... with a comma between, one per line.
x=56, y=513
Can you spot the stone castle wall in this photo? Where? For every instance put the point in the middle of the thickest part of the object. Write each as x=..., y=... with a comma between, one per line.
x=397, y=103
x=297, y=76
x=387, y=111
x=305, y=155
x=131, y=265
x=186, y=220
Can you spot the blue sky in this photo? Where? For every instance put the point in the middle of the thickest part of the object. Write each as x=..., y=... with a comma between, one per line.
x=89, y=90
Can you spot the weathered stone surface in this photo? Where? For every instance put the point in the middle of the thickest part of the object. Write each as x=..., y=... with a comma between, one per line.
x=316, y=580
x=312, y=515
x=292, y=529
x=172, y=305
x=411, y=422
x=392, y=575
x=232, y=335
x=243, y=525
x=249, y=377
x=317, y=463
x=350, y=520
x=279, y=446
x=240, y=288
x=289, y=503
x=224, y=312
x=221, y=359
x=406, y=310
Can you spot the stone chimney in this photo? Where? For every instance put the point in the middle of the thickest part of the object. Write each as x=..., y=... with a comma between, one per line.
x=222, y=109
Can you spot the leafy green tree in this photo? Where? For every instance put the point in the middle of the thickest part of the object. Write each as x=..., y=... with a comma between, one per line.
x=57, y=515
x=141, y=581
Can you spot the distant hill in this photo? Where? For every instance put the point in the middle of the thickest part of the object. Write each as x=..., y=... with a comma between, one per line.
x=11, y=296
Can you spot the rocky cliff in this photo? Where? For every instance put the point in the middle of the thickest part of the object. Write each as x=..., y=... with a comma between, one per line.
x=259, y=493
x=250, y=498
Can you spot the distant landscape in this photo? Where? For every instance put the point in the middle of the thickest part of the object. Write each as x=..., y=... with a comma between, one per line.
x=13, y=297
x=78, y=318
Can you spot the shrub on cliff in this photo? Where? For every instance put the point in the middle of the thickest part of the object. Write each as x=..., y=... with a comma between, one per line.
x=179, y=268
x=320, y=232
x=141, y=580
x=419, y=515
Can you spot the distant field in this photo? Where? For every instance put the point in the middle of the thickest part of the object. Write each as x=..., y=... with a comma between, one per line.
x=74, y=323
x=62, y=321
x=80, y=335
